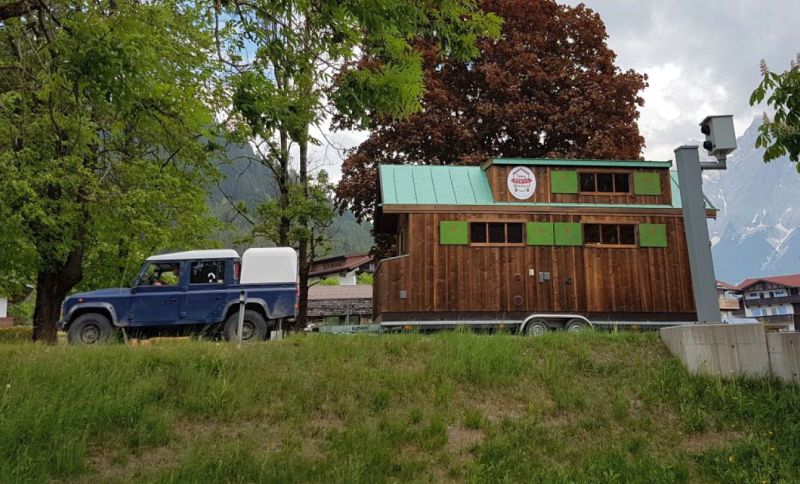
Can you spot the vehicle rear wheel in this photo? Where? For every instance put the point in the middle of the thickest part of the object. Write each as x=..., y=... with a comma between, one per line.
x=536, y=327
x=90, y=329
x=576, y=326
x=254, y=327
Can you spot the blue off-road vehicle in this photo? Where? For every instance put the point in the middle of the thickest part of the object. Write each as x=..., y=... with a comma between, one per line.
x=191, y=291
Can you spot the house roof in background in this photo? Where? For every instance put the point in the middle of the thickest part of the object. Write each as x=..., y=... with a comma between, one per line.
x=726, y=286
x=791, y=280
x=468, y=185
x=358, y=291
x=339, y=263
x=578, y=163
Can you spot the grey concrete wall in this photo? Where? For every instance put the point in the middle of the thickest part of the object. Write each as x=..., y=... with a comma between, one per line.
x=720, y=349
x=784, y=355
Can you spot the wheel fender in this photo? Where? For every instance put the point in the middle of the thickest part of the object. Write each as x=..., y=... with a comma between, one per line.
x=258, y=301
x=80, y=307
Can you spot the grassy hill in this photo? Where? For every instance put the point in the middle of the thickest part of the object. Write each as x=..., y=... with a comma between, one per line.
x=448, y=407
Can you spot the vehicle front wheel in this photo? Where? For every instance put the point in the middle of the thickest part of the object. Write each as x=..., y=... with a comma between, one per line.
x=254, y=327
x=536, y=327
x=90, y=329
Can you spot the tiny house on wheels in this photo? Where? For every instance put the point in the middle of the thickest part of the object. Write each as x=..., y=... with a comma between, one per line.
x=595, y=239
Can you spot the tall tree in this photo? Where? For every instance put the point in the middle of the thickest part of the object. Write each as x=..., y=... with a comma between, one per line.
x=104, y=106
x=547, y=88
x=781, y=135
x=296, y=62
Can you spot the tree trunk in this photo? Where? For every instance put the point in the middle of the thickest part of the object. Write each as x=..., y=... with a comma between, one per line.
x=52, y=286
x=304, y=258
x=283, y=187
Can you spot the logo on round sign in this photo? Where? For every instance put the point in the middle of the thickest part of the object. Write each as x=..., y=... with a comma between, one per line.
x=521, y=183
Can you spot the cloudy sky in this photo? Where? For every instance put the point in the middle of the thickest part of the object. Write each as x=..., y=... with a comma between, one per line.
x=701, y=58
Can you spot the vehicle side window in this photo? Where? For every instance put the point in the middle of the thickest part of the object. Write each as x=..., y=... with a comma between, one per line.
x=162, y=274
x=208, y=272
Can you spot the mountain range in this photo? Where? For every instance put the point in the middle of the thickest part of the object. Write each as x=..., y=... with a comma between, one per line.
x=246, y=180
x=757, y=230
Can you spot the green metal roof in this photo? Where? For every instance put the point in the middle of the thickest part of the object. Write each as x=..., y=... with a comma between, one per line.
x=468, y=185
x=585, y=163
x=434, y=185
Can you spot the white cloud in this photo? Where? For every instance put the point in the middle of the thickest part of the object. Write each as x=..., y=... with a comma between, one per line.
x=701, y=58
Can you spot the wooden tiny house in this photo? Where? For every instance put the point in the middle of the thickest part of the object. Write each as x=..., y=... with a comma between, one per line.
x=604, y=239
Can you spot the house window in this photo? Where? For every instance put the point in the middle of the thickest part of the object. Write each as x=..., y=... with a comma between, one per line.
x=605, y=182
x=609, y=234
x=402, y=243
x=495, y=233
x=757, y=312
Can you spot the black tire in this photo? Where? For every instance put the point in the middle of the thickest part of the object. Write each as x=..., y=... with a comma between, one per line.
x=255, y=327
x=576, y=326
x=536, y=327
x=90, y=329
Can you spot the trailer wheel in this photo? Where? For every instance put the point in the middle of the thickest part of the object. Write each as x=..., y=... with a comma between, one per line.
x=90, y=329
x=576, y=326
x=254, y=327
x=536, y=327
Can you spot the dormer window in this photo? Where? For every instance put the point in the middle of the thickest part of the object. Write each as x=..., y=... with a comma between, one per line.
x=605, y=182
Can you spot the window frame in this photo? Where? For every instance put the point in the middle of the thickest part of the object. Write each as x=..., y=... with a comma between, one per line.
x=613, y=174
x=505, y=223
x=605, y=245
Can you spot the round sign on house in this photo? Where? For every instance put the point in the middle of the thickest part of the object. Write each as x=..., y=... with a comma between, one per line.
x=521, y=182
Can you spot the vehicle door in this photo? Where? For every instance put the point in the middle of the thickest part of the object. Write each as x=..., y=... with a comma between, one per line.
x=207, y=294
x=158, y=297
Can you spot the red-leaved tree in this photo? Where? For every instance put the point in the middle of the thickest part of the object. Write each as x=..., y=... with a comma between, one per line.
x=547, y=88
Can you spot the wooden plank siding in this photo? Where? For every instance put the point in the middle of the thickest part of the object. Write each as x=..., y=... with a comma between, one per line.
x=459, y=280
x=498, y=181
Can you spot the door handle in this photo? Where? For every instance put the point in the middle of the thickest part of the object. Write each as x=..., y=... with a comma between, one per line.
x=173, y=300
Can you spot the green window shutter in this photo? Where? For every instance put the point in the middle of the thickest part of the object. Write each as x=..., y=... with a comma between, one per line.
x=652, y=235
x=563, y=181
x=568, y=233
x=540, y=233
x=454, y=233
x=646, y=183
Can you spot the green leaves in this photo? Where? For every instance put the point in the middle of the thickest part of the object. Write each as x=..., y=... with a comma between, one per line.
x=103, y=109
x=781, y=135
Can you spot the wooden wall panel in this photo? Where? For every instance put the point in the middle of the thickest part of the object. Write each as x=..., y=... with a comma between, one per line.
x=466, y=279
x=498, y=176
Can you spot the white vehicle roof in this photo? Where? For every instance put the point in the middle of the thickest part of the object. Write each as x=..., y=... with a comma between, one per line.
x=196, y=254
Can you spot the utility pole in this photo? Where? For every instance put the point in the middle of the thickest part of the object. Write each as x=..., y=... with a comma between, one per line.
x=720, y=141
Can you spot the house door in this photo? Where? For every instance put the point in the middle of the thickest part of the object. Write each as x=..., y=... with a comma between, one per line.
x=538, y=278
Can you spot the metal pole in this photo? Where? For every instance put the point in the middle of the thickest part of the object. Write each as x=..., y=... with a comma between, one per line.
x=242, y=305
x=704, y=284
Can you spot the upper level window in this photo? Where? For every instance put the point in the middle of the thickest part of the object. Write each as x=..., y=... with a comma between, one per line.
x=605, y=182
x=208, y=272
x=495, y=233
x=609, y=234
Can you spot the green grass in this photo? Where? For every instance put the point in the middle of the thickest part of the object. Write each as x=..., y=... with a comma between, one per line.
x=448, y=407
